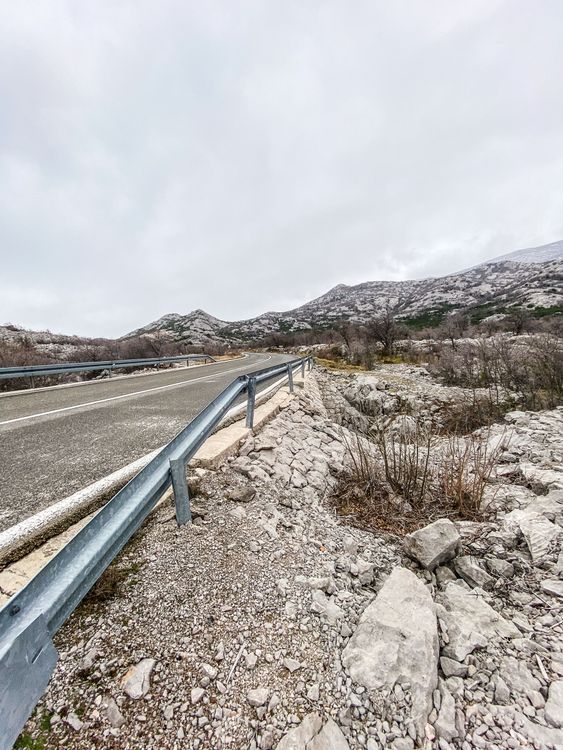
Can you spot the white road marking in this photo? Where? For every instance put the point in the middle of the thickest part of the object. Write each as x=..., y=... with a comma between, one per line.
x=125, y=395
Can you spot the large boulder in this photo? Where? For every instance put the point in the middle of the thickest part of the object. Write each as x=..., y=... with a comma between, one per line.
x=470, y=622
x=434, y=544
x=396, y=641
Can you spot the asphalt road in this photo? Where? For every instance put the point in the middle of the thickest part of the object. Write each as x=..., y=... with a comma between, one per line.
x=56, y=441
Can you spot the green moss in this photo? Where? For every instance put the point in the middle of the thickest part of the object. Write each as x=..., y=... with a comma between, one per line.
x=45, y=723
x=26, y=741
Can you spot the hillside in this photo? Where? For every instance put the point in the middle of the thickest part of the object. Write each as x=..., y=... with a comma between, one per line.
x=484, y=290
x=553, y=251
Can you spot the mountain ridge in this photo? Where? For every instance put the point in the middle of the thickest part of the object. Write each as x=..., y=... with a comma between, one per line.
x=488, y=288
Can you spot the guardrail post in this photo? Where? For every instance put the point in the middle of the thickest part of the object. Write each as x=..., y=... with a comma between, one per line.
x=290, y=378
x=181, y=492
x=303, y=369
x=251, y=390
x=309, y=362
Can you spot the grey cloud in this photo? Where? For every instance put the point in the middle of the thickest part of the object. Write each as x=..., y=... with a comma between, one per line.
x=246, y=156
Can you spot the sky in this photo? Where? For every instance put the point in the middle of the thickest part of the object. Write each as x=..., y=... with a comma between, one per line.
x=240, y=157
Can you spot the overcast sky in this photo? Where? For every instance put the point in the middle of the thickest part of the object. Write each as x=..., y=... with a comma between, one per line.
x=240, y=157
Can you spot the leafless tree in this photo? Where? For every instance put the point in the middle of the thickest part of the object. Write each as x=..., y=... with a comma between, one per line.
x=519, y=320
x=384, y=329
x=454, y=326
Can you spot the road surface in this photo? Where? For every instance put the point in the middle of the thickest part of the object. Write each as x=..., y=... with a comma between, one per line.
x=58, y=440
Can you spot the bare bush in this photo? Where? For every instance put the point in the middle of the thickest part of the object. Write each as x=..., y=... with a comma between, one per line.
x=530, y=369
x=406, y=463
x=403, y=480
x=479, y=408
x=465, y=468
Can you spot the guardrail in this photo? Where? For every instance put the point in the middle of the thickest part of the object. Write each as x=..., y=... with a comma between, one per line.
x=31, y=371
x=31, y=617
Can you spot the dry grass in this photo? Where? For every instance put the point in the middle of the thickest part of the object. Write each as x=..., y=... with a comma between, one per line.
x=400, y=482
x=112, y=582
x=340, y=364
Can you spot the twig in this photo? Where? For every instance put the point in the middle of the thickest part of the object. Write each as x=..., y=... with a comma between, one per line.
x=236, y=661
x=542, y=668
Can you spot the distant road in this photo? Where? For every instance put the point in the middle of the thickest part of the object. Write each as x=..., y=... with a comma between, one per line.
x=58, y=440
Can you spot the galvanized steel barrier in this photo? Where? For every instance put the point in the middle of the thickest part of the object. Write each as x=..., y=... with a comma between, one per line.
x=31, y=371
x=32, y=616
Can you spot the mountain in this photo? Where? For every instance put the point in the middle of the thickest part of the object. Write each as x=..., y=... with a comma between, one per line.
x=553, y=251
x=531, y=278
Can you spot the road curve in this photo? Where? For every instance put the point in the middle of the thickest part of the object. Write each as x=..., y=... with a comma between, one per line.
x=58, y=440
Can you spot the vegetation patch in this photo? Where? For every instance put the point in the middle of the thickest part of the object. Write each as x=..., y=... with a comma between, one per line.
x=428, y=318
x=408, y=475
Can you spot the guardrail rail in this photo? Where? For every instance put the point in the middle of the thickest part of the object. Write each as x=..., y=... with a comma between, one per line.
x=31, y=371
x=31, y=617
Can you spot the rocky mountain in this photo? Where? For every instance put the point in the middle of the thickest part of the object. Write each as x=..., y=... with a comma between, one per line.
x=530, y=278
x=553, y=251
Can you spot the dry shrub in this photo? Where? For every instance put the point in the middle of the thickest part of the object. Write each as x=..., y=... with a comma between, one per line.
x=401, y=481
x=531, y=368
x=406, y=460
x=478, y=410
x=465, y=469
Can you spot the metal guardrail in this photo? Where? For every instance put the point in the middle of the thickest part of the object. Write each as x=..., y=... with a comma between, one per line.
x=31, y=617
x=31, y=371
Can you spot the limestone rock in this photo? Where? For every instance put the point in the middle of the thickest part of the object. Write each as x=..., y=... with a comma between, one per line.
x=113, y=714
x=470, y=622
x=452, y=668
x=539, y=735
x=136, y=681
x=329, y=738
x=516, y=674
x=434, y=544
x=299, y=737
x=241, y=494
x=73, y=721
x=553, y=587
x=397, y=641
x=445, y=723
x=472, y=573
x=311, y=734
x=258, y=697
x=554, y=704
x=325, y=606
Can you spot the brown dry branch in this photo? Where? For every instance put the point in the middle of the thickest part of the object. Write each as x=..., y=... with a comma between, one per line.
x=398, y=482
